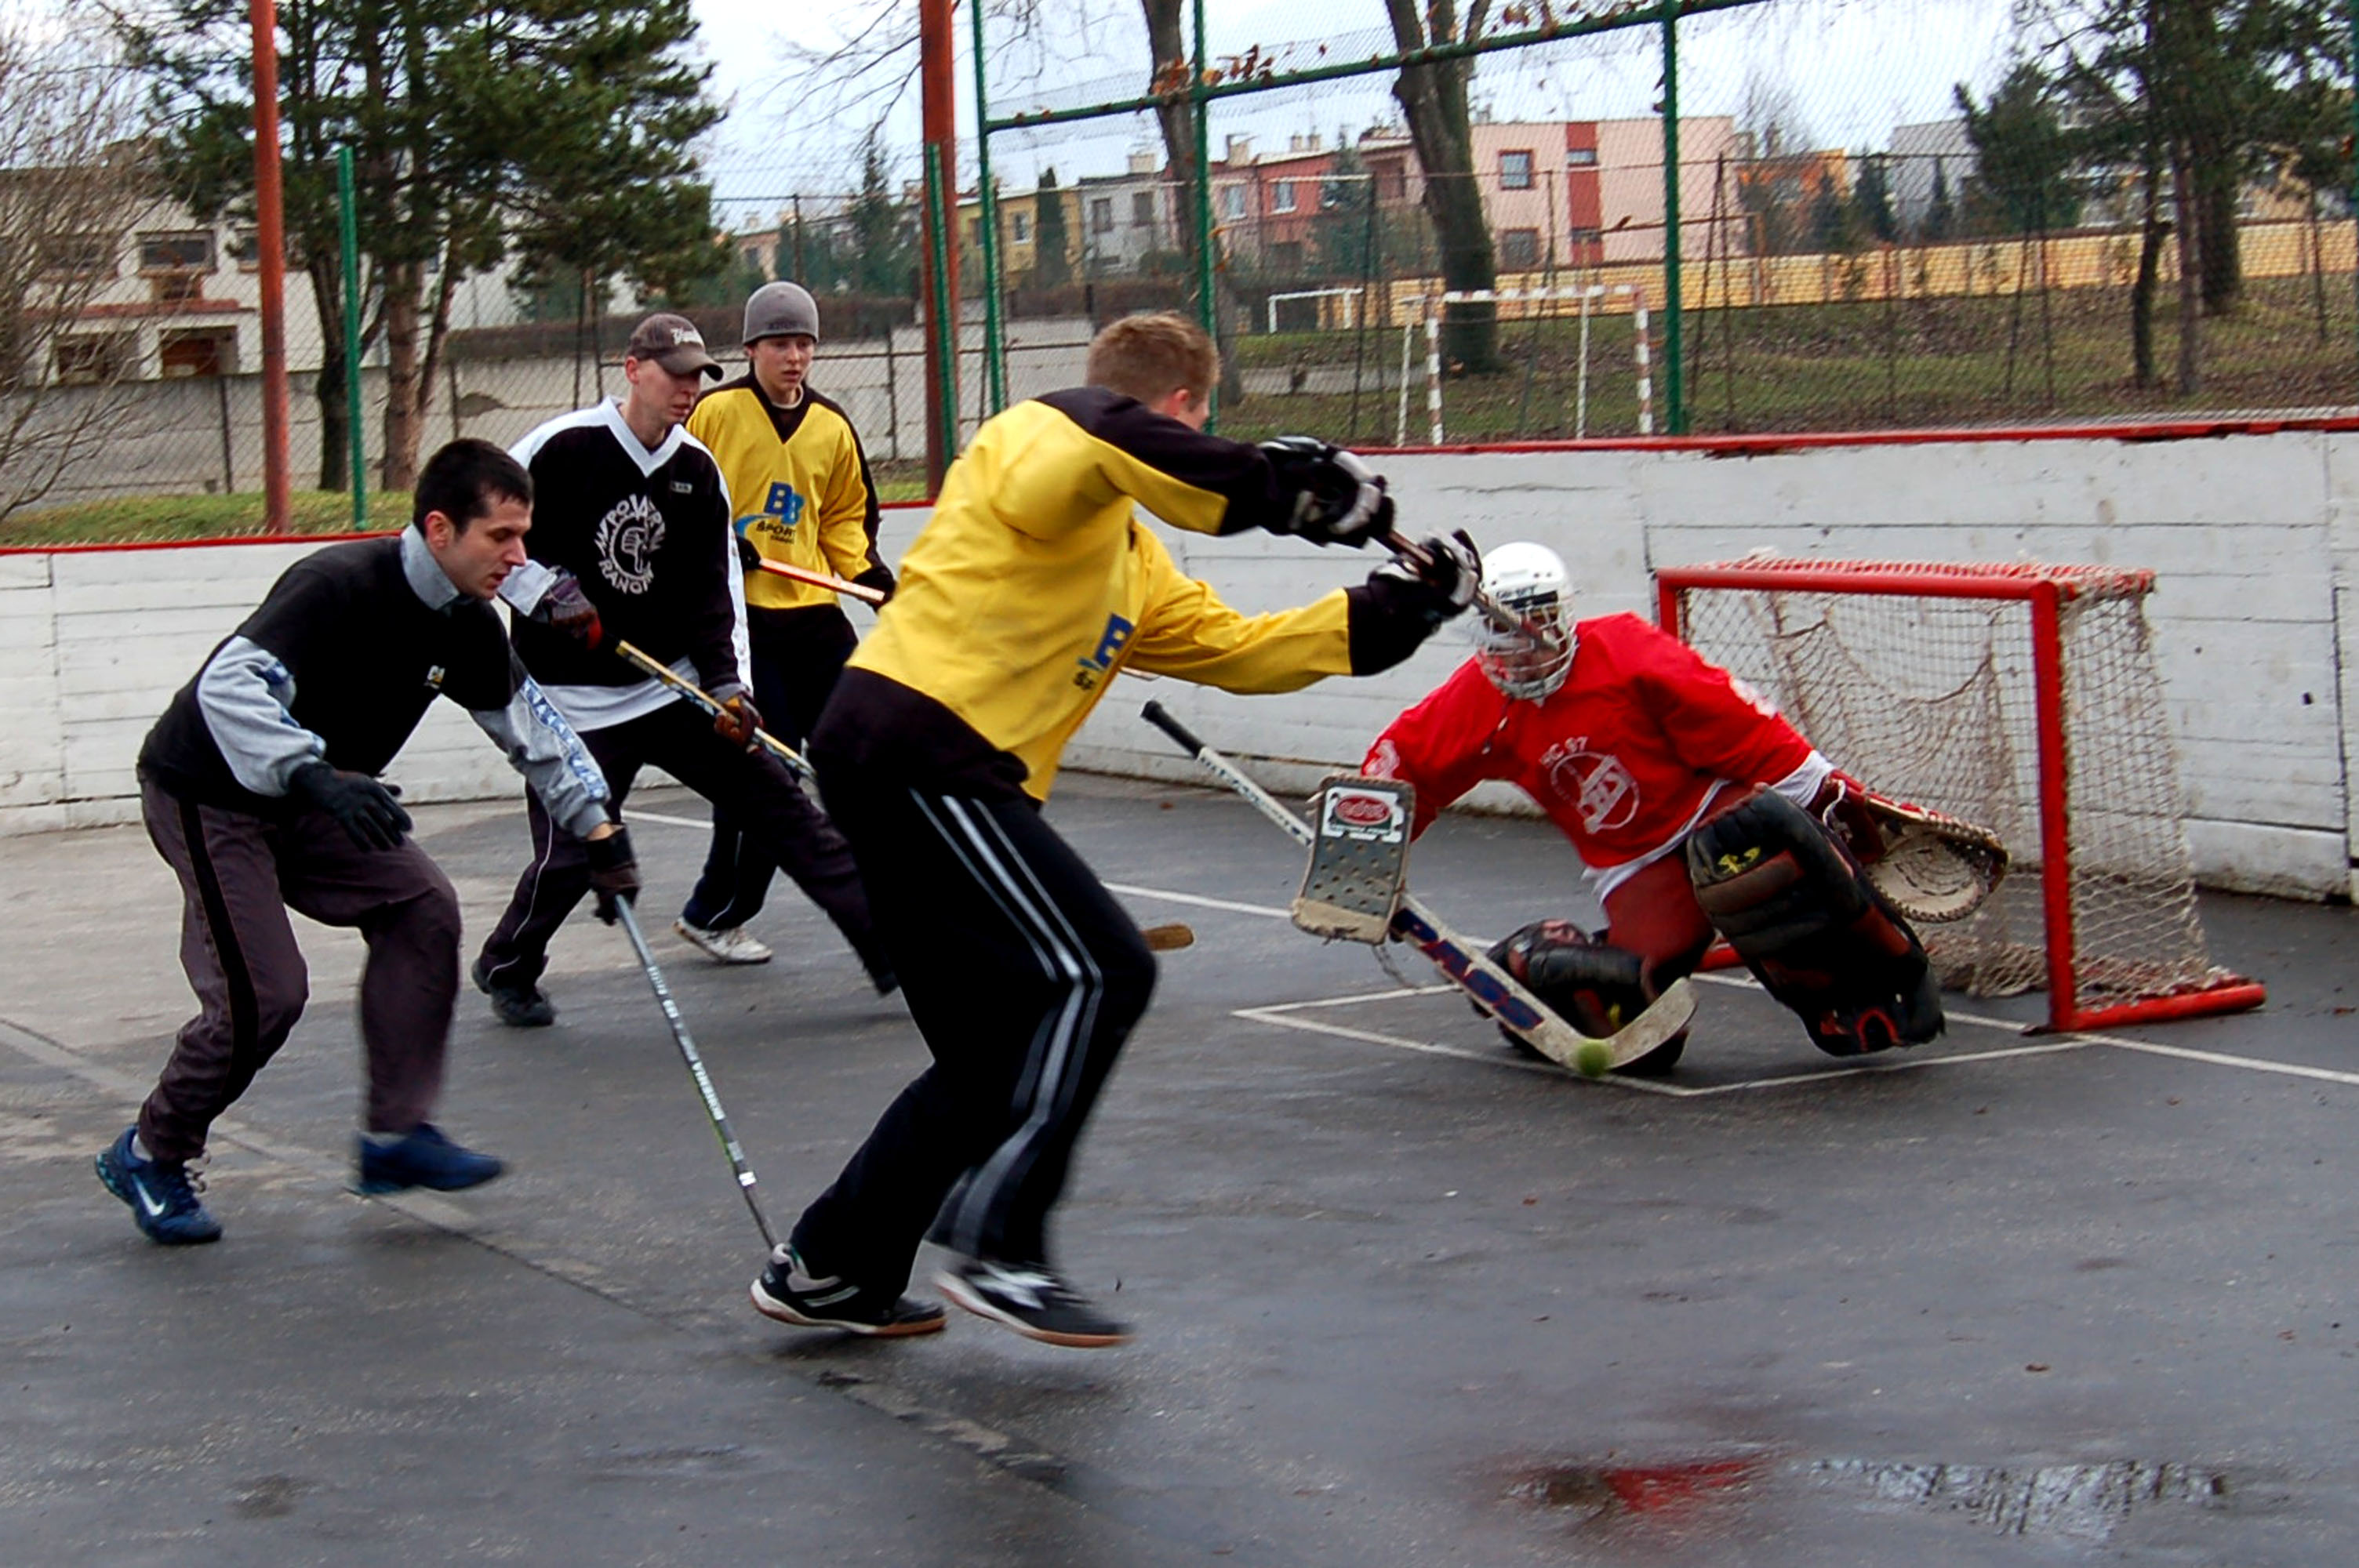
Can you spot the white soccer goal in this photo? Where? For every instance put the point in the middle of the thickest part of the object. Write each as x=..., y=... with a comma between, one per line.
x=2023, y=697
x=1349, y=296
x=1588, y=298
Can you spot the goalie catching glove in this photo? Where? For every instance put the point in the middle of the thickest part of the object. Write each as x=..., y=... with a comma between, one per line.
x=1338, y=499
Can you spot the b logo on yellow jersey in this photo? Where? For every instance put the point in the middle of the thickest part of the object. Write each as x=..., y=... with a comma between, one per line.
x=1111, y=641
x=781, y=510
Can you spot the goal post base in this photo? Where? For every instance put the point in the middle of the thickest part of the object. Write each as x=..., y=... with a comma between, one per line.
x=2236, y=994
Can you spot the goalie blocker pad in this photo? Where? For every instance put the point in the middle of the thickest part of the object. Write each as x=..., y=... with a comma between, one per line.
x=1812, y=929
x=1359, y=858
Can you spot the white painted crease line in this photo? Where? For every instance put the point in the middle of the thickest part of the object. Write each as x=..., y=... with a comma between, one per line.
x=1882, y=1064
x=1423, y=1047
x=1199, y=901
x=629, y=817
x=2218, y=1059
x=1353, y=1000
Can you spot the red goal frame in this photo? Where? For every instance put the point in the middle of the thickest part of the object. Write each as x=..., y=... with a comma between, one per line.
x=2045, y=588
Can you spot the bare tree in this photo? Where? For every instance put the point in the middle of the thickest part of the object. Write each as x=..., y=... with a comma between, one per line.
x=67, y=177
x=1434, y=99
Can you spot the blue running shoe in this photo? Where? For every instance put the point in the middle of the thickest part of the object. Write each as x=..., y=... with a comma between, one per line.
x=162, y=1195
x=423, y=1159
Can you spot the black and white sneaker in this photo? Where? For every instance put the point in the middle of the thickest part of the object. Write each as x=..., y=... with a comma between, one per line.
x=788, y=1292
x=1031, y=1299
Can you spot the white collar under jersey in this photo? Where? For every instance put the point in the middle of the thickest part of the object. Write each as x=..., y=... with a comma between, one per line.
x=607, y=414
x=425, y=574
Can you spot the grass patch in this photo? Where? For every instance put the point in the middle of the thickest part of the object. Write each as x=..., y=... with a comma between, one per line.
x=1906, y=364
x=150, y=519
x=141, y=519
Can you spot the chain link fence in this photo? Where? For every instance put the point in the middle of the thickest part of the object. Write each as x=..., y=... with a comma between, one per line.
x=1717, y=216
x=1832, y=214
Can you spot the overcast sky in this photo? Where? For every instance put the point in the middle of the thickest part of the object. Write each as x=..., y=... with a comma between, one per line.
x=1844, y=74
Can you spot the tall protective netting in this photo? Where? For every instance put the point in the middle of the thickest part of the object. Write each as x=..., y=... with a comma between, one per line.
x=2022, y=698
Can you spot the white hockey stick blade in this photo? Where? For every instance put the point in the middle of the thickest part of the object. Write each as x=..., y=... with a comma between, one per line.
x=1529, y=1019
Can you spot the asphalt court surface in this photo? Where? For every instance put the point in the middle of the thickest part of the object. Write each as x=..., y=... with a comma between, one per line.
x=1403, y=1297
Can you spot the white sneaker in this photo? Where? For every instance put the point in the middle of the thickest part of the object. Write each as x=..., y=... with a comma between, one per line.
x=728, y=945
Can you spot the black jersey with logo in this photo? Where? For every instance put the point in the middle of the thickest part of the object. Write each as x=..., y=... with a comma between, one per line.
x=647, y=534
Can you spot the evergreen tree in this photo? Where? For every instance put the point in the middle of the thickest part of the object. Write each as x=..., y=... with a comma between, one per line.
x=1052, y=236
x=1870, y=198
x=880, y=230
x=2024, y=154
x=1339, y=234
x=555, y=131
x=1941, y=212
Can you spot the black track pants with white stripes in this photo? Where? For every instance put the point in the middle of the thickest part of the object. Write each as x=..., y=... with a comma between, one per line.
x=1024, y=976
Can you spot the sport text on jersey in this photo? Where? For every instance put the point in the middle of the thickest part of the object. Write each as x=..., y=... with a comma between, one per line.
x=628, y=538
x=781, y=510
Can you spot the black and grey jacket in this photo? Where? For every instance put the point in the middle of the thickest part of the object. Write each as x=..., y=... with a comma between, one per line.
x=339, y=664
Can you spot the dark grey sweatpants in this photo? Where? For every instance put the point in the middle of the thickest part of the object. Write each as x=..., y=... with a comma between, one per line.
x=239, y=876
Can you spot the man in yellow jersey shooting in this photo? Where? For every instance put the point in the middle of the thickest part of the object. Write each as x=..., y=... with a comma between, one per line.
x=1034, y=584
x=803, y=498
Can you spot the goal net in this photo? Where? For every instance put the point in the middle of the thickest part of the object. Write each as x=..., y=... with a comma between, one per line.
x=2023, y=697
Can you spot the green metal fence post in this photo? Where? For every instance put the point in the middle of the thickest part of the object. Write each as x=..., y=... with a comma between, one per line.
x=1207, y=307
x=348, y=240
x=1675, y=369
x=994, y=367
x=945, y=329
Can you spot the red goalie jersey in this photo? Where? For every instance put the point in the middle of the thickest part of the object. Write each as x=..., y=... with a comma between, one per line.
x=1624, y=756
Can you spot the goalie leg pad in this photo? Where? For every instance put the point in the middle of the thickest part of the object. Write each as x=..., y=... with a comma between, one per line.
x=1595, y=987
x=1814, y=931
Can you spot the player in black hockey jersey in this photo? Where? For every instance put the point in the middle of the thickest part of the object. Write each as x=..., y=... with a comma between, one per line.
x=260, y=786
x=633, y=513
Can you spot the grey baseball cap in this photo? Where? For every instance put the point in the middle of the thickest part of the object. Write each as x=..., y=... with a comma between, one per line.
x=781, y=310
x=673, y=342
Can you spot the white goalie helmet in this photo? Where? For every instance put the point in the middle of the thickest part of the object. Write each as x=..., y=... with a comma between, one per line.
x=1529, y=581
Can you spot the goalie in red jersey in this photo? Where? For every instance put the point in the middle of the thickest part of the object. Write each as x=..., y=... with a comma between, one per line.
x=1697, y=810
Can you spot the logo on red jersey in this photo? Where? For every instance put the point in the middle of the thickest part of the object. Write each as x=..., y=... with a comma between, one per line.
x=1595, y=784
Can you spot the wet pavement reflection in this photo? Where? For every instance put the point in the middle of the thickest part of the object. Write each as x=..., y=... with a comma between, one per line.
x=2074, y=1503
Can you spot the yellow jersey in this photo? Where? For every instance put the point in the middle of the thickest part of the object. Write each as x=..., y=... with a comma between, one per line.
x=1034, y=583
x=799, y=487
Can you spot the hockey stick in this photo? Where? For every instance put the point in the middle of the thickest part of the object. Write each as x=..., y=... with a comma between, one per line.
x=1496, y=613
x=1493, y=989
x=697, y=697
x=719, y=1118
x=844, y=586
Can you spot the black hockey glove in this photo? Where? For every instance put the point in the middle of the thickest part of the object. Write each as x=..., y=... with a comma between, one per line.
x=749, y=554
x=614, y=872
x=1338, y=500
x=365, y=809
x=880, y=578
x=567, y=609
x=1442, y=587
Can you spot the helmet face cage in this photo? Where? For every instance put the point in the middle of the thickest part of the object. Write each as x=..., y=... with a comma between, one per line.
x=1520, y=665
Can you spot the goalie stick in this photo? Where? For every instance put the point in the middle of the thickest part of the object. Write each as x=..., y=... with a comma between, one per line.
x=1492, y=989
x=697, y=697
